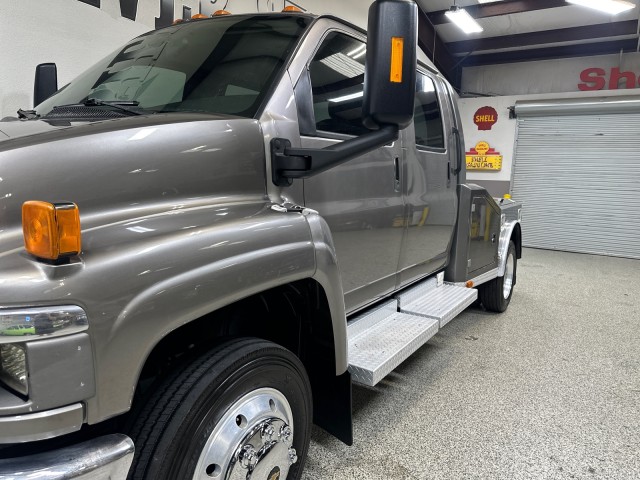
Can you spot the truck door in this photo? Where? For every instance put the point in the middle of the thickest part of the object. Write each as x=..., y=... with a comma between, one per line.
x=428, y=182
x=361, y=199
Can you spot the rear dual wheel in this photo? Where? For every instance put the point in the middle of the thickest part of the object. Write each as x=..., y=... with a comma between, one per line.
x=496, y=294
x=242, y=410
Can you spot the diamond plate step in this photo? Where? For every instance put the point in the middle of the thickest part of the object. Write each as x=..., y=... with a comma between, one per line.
x=442, y=303
x=382, y=339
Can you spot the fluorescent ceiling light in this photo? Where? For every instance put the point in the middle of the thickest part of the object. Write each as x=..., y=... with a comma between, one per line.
x=463, y=20
x=612, y=7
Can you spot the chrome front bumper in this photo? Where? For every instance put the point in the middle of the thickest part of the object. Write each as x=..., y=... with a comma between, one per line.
x=103, y=458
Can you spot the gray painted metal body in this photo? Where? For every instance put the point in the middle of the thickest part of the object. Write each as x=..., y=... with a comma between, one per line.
x=179, y=219
x=476, y=254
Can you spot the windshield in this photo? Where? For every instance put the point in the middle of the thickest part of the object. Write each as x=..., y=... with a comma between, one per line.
x=221, y=65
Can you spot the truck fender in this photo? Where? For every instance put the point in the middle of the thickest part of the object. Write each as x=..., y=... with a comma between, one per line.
x=303, y=250
x=328, y=275
x=506, y=233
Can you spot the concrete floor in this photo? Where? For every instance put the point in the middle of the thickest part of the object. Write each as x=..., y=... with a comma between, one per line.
x=548, y=390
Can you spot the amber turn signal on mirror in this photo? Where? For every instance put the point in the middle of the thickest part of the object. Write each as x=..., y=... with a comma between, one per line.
x=51, y=230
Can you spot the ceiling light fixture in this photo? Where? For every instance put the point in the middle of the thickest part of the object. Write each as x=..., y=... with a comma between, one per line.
x=612, y=7
x=463, y=20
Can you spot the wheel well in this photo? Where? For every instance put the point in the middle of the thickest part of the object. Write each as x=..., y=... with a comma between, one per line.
x=295, y=315
x=516, y=237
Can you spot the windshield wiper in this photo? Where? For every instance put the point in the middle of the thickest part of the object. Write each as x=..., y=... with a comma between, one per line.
x=117, y=104
x=27, y=114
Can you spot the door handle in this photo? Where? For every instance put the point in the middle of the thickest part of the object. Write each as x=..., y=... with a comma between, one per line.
x=396, y=168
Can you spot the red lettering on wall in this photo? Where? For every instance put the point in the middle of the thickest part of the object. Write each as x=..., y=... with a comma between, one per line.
x=617, y=75
x=593, y=79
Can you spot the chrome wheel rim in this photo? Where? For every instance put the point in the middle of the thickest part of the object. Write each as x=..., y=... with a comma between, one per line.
x=507, y=283
x=253, y=439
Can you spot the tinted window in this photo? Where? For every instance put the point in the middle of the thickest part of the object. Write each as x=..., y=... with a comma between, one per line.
x=221, y=65
x=427, y=118
x=337, y=75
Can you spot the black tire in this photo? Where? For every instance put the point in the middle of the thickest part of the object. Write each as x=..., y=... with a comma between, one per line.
x=171, y=429
x=492, y=294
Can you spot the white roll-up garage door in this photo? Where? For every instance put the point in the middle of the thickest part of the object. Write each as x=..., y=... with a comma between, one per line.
x=577, y=172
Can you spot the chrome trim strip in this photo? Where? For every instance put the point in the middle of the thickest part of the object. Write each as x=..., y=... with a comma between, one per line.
x=480, y=279
x=26, y=324
x=103, y=458
x=41, y=425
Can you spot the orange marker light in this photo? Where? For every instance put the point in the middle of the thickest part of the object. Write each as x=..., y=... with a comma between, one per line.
x=51, y=230
x=198, y=16
x=291, y=8
x=220, y=12
x=397, y=49
x=469, y=284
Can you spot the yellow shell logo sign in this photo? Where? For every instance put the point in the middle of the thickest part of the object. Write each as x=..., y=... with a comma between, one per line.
x=483, y=157
x=482, y=148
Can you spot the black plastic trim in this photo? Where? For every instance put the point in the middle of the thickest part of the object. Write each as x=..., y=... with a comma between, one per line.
x=288, y=163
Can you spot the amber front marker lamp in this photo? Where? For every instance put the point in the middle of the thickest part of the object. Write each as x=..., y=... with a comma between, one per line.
x=51, y=230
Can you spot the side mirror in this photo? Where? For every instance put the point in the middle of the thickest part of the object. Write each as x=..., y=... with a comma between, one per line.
x=390, y=76
x=46, y=82
x=389, y=90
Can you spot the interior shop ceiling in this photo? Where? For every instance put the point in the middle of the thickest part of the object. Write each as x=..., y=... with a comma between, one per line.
x=523, y=30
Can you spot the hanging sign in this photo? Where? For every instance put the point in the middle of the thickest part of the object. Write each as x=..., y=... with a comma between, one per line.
x=483, y=157
x=485, y=118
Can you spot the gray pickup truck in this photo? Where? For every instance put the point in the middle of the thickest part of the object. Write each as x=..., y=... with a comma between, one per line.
x=211, y=233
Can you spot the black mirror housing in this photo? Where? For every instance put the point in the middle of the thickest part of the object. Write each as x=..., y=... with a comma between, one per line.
x=390, y=76
x=46, y=82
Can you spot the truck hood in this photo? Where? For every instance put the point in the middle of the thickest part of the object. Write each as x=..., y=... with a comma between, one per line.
x=32, y=129
x=145, y=163
x=21, y=128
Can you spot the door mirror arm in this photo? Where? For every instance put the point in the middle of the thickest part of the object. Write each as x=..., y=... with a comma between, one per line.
x=288, y=163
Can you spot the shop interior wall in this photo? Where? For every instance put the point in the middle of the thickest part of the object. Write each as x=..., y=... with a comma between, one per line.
x=544, y=80
x=75, y=34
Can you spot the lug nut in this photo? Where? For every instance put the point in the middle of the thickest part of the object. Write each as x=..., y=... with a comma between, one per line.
x=285, y=433
x=267, y=433
x=293, y=456
x=248, y=457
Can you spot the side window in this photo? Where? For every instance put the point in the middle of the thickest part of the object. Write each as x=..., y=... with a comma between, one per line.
x=427, y=117
x=337, y=76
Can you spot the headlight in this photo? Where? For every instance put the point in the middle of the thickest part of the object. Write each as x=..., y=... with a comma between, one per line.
x=13, y=367
x=41, y=322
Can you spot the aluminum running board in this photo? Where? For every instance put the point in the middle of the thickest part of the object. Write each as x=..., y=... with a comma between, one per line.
x=443, y=302
x=382, y=338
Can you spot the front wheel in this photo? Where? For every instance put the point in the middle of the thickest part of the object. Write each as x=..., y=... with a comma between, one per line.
x=496, y=294
x=242, y=410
